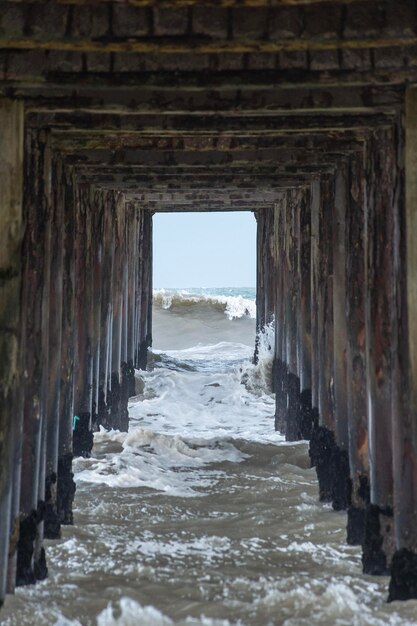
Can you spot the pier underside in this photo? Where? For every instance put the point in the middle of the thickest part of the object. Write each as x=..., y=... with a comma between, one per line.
x=302, y=111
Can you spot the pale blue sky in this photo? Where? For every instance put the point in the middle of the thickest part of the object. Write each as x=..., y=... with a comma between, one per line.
x=204, y=249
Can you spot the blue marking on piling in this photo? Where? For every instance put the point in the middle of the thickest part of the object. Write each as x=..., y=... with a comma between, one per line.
x=76, y=419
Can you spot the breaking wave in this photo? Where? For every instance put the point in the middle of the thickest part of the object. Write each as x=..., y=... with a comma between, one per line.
x=233, y=305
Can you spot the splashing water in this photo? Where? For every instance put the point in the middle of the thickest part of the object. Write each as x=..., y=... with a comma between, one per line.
x=202, y=515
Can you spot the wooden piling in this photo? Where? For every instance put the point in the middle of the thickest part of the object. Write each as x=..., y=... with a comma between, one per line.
x=35, y=290
x=11, y=185
x=145, y=282
x=45, y=177
x=356, y=367
x=340, y=461
x=281, y=365
x=403, y=583
x=103, y=410
x=266, y=275
x=65, y=480
x=52, y=523
x=292, y=307
x=315, y=198
x=379, y=228
x=322, y=443
x=117, y=412
x=82, y=425
x=304, y=315
x=96, y=299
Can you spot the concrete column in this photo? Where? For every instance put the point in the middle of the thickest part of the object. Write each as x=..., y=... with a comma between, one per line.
x=11, y=185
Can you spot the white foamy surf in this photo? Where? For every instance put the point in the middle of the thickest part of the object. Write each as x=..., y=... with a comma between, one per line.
x=196, y=401
x=201, y=515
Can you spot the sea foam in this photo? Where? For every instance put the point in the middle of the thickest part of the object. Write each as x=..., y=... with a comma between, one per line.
x=233, y=306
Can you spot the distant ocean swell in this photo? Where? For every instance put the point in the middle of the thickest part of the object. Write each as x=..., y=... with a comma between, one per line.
x=185, y=318
x=234, y=303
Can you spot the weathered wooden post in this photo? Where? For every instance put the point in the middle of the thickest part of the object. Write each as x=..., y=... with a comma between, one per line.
x=260, y=277
x=403, y=584
x=129, y=300
x=322, y=440
x=97, y=288
x=35, y=335
x=132, y=234
x=117, y=313
x=145, y=285
x=11, y=185
x=356, y=367
x=380, y=323
x=45, y=176
x=82, y=426
x=280, y=366
x=341, y=472
x=304, y=315
x=315, y=198
x=292, y=230
x=265, y=288
x=66, y=484
x=52, y=523
x=125, y=373
x=106, y=309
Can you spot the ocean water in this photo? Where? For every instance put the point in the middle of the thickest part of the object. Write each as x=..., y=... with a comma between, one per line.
x=202, y=514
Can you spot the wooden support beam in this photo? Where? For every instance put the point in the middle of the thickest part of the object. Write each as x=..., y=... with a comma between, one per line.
x=291, y=251
x=190, y=3
x=69, y=143
x=403, y=584
x=35, y=335
x=83, y=359
x=11, y=184
x=356, y=366
x=380, y=329
x=280, y=363
x=341, y=483
x=322, y=444
x=66, y=485
x=303, y=111
x=239, y=91
x=106, y=318
x=304, y=315
x=197, y=45
x=97, y=280
x=144, y=339
x=118, y=414
x=266, y=273
x=52, y=522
